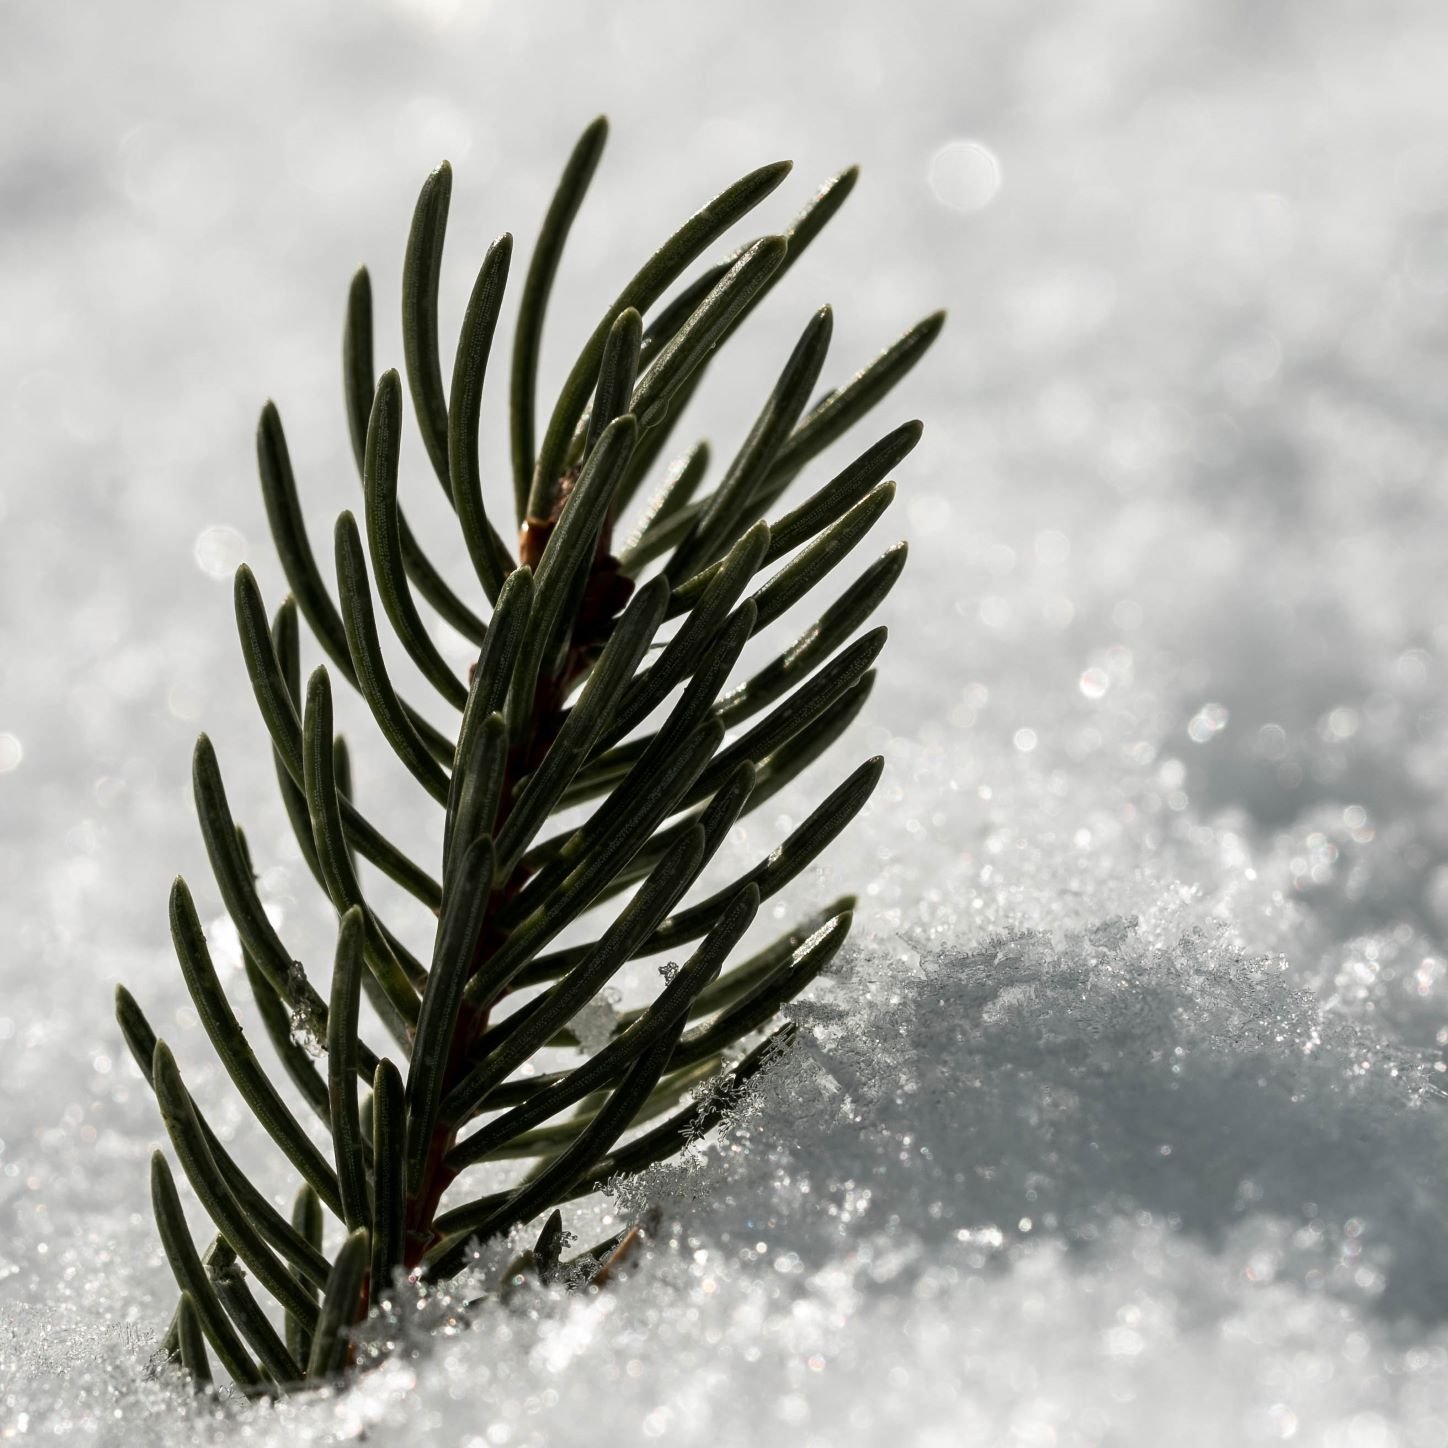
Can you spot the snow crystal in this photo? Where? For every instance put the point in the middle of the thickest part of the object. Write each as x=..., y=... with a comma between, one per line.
x=304, y=1027
x=594, y=1025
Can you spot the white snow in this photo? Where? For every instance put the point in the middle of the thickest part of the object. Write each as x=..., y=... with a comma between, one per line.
x=1120, y=1121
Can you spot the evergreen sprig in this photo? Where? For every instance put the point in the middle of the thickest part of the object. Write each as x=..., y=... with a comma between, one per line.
x=575, y=659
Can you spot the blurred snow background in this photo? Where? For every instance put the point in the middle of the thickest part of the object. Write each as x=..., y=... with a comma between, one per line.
x=1119, y=1123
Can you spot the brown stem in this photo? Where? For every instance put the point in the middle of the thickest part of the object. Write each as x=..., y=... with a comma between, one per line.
x=604, y=596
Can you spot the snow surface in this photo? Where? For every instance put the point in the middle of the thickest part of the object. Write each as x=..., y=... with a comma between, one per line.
x=1119, y=1122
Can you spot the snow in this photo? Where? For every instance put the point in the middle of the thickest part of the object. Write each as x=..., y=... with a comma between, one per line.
x=1119, y=1122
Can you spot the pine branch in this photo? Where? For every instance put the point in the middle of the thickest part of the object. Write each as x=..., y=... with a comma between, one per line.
x=603, y=679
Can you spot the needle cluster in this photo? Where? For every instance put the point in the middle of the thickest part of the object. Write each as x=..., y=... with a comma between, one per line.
x=594, y=758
